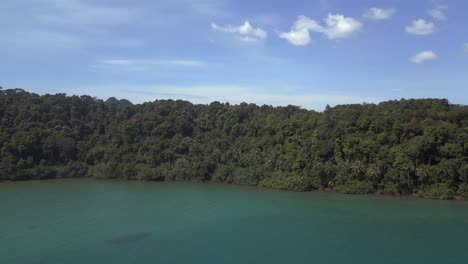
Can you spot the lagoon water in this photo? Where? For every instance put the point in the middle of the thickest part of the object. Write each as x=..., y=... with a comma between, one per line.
x=88, y=221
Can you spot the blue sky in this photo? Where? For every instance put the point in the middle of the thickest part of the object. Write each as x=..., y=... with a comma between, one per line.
x=307, y=53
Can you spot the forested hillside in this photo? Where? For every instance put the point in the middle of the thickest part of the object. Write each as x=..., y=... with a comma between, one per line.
x=395, y=147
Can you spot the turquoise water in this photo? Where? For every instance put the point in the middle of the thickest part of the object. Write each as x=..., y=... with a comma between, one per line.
x=86, y=221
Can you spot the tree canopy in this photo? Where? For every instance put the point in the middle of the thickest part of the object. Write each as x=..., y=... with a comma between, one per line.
x=395, y=147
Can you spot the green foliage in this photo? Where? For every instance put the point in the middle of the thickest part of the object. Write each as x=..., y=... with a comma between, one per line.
x=224, y=173
x=392, y=188
x=102, y=171
x=41, y=172
x=355, y=187
x=396, y=147
x=441, y=191
x=74, y=169
x=148, y=173
x=246, y=176
x=463, y=191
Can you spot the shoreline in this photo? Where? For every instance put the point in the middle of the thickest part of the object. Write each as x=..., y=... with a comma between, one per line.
x=319, y=191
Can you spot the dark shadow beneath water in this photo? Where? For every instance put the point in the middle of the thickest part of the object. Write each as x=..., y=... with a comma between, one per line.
x=129, y=238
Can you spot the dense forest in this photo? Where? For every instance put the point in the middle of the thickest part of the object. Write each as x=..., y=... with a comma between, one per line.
x=395, y=147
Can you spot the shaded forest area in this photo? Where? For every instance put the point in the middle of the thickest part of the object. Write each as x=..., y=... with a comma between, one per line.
x=395, y=147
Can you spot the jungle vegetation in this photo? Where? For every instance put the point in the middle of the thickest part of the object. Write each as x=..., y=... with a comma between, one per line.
x=394, y=147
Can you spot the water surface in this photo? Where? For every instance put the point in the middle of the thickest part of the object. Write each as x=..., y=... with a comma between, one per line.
x=87, y=221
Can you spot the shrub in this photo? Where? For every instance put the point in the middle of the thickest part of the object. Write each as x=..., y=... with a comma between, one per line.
x=149, y=173
x=42, y=172
x=245, y=176
x=73, y=169
x=392, y=188
x=440, y=191
x=355, y=187
x=223, y=173
x=463, y=191
x=102, y=171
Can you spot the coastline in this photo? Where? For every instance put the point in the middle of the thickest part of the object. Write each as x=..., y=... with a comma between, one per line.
x=247, y=187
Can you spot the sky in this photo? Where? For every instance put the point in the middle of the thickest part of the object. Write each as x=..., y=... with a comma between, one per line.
x=308, y=53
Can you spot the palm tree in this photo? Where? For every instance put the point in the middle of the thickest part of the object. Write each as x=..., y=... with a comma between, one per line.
x=463, y=171
x=408, y=168
x=329, y=169
x=423, y=172
x=358, y=169
x=373, y=171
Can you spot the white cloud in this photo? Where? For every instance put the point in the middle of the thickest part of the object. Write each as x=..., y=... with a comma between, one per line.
x=421, y=27
x=339, y=26
x=438, y=12
x=245, y=32
x=380, y=13
x=423, y=57
x=336, y=27
x=297, y=37
x=299, y=34
x=144, y=65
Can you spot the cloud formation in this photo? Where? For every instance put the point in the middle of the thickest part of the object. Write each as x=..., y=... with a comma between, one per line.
x=245, y=32
x=421, y=27
x=339, y=26
x=376, y=13
x=336, y=27
x=438, y=12
x=144, y=65
x=299, y=34
x=423, y=56
x=82, y=14
x=98, y=24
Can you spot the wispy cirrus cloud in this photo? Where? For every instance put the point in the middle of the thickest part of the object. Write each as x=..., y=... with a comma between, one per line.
x=43, y=38
x=145, y=65
x=336, y=27
x=245, y=32
x=376, y=13
x=212, y=8
x=82, y=14
x=36, y=26
x=95, y=23
x=421, y=27
x=438, y=12
x=423, y=56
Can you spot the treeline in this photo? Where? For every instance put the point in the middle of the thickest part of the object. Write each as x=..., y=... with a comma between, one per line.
x=395, y=147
